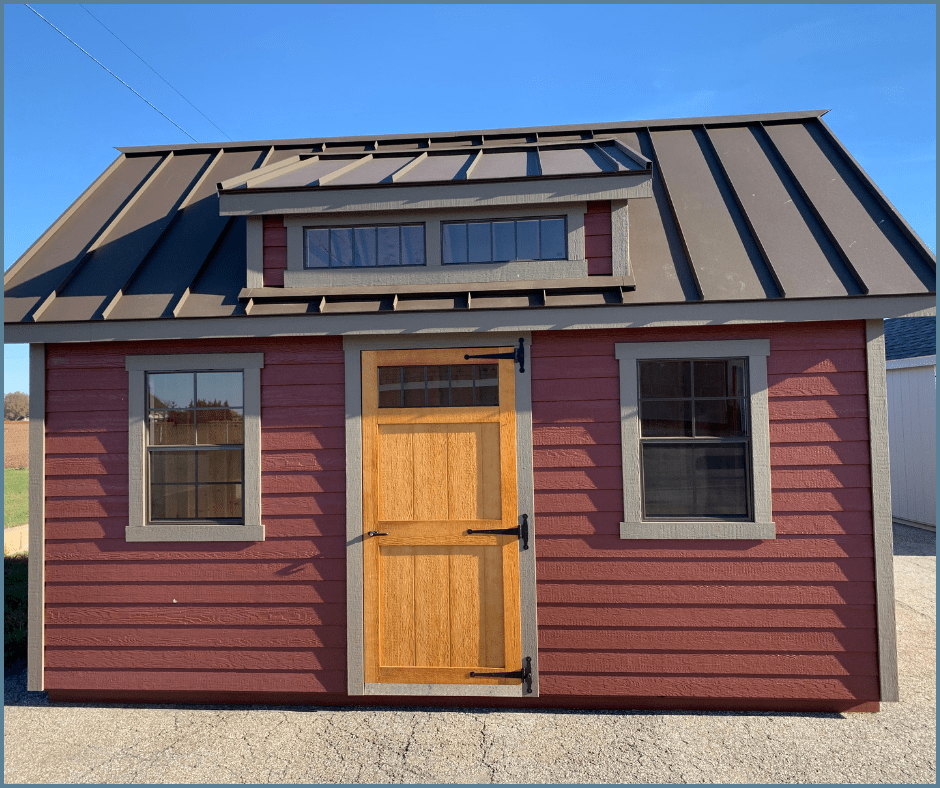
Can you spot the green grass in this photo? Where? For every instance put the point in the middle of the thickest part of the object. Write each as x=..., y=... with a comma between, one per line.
x=15, y=496
x=14, y=607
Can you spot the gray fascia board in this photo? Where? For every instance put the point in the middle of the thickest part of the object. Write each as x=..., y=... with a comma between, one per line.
x=611, y=126
x=535, y=319
x=412, y=197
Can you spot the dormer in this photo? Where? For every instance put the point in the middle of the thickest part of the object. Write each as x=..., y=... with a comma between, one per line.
x=454, y=212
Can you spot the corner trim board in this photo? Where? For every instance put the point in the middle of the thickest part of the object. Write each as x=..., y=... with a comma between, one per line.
x=36, y=589
x=883, y=534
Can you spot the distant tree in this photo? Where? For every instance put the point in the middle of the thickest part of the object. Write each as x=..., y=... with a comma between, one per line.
x=15, y=406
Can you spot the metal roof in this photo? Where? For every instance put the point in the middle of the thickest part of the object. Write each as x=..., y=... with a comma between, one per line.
x=744, y=208
x=910, y=337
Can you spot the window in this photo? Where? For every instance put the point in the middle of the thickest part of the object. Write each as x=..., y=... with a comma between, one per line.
x=194, y=448
x=439, y=386
x=502, y=241
x=695, y=437
x=364, y=247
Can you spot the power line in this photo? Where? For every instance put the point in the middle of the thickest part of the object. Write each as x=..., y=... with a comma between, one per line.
x=111, y=73
x=153, y=70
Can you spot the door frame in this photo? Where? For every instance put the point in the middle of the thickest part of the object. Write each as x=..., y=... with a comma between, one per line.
x=525, y=490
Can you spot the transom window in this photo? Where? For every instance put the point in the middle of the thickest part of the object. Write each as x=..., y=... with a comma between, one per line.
x=195, y=446
x=364, y=247
x=503, y=240
x=439, y=386
x=694, y=438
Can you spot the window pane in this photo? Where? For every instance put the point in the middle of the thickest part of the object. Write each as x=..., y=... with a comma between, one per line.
x=172, y=428
x=172, y=502
x=341, y=247
x=220, y=501
x=390, y=387
x=487, y=384
x=454, y=243
x=219, y=426
x=172, y=467
x=461, y=385
x=694, y=480
x=552, y=238
x=722, y=378
x=218, y=389
x=719, y=418
x=438, y=386
x=666, y=418
x=365, y=247
x=665, y=379
x=170, y=390
x=318, y=249
x=219, y=466
x=478, y=235
x=527, y=240
x=504, y=241
x=412, y=244
x=414, y=387
x=389, y=249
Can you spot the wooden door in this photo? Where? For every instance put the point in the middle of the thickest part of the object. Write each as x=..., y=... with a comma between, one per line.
x=439, y=458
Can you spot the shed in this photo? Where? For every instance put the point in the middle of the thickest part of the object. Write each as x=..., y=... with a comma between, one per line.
x=911, y=356
x=583, y=416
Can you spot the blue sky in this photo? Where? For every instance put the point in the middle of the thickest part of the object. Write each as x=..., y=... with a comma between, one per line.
x=272, y=72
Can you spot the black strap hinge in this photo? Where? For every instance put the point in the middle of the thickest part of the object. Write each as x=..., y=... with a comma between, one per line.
x=518, y=355
x=522, y=531
x=524, y=675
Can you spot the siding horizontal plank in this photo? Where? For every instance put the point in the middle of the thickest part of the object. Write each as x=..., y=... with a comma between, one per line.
x=825, y=431
x=92, y=379
x=100, y=442
x=581, y=390
x=91, y=421
x=582, y=457
x=706, y=664
x=829, y=454
x=196, y=570
x=792, y=548
x=144, y=636
x=302, y=481
x=197, y=615
x=579, y=479
x=814, y=408
x=810, y=361
x=581, y=413
x=847, y=688
x=576, y=434
x=283, y=592
x=818, y=571
x=270, y=549
x=220, y=659
x=575, y=367
x=195, y=680
x=86, y=465
x=310, y=461
x=711, y=594
x=828, y=501
x=841, y=476
x=836, y=617
x=302, y=375
x=834, y=383
x=824, y=523
x=724, y=640
x=590, y=501
x=302, y=396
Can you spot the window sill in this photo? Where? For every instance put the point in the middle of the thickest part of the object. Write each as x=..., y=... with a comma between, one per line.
x=706, y=529
x=194, y=532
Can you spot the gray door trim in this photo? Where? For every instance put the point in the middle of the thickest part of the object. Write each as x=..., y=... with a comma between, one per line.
x=355, y=639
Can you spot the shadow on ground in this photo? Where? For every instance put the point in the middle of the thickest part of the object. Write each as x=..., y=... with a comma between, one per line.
x=909, y=540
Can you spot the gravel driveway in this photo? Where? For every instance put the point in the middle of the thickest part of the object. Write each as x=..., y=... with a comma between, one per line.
x=168, y=744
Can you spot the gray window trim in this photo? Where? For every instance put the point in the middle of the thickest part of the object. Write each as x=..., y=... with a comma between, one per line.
x=525, y=486
x=138, y=529
x=434, y=271
x=634, y=526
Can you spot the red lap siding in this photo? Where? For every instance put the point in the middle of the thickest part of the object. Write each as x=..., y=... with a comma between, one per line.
x=226, y=616
x=597, y=239
x=800, y=606
x=275, y=251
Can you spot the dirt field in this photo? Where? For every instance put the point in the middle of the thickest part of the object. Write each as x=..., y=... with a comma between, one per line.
x=15, y=444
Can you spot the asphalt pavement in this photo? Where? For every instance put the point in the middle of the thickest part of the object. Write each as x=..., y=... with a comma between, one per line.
x=85, y=743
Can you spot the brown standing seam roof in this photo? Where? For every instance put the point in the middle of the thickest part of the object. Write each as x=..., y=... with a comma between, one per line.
x=743, y=208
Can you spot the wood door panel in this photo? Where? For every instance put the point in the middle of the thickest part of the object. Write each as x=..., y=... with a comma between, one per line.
x=439, y=603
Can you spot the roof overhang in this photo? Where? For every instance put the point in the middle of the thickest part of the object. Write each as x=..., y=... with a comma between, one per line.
x=400, y=197
x=482, y=320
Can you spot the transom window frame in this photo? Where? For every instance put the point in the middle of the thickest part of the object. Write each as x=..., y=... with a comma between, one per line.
x=634, y=525
x=573, y=266
x=139, y=527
